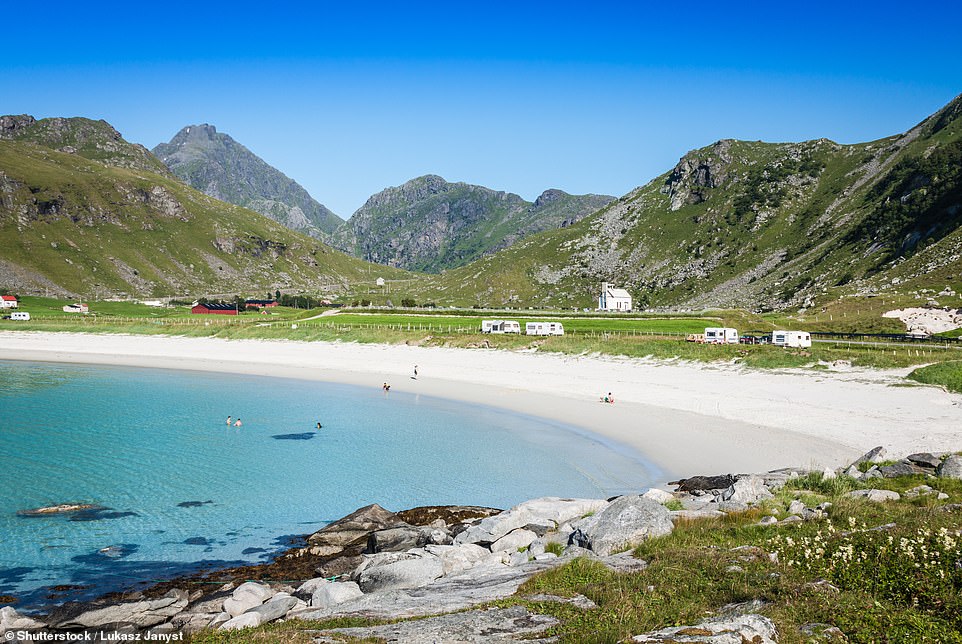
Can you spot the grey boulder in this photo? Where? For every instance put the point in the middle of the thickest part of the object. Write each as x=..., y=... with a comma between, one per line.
x=748, y=490
x=333, y=593
x=951, y=467
x=247, y=596
x=924, y=459
x=626, y=521
x=277, y=607
x=404, y=573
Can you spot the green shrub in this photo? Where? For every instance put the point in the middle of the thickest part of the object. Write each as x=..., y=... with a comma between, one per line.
x=816, y=482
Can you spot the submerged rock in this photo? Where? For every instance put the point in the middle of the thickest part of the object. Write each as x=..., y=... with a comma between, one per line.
x=63, y=508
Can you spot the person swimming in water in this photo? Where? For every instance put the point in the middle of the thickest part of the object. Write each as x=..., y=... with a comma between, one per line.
x=319, y=426
x=238, y=423
x=229, y=421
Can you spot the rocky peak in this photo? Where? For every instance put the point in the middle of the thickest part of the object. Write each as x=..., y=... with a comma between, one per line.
x=202, y=132
x=11, y=124
x=696, y=171
x=551, y=195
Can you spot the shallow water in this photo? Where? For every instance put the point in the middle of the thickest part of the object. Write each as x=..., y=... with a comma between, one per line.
x=176, y=487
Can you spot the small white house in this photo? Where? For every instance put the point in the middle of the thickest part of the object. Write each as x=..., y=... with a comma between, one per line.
x=801, y=339
x=8, y=302
x=721, y=335
x=379, y=281
x=613, y=299
x=500, y=326
x=544, y=328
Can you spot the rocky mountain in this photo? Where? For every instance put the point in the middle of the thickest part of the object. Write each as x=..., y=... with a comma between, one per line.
x=755, y=225
x=219, y=166
x=429, y=224
x=74, y=225
x=94, y=140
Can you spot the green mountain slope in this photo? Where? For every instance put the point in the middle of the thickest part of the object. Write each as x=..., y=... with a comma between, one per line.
x=219, y=166
x=755, y=225
x=95, y=140
x=429, y=224
x=72, y=226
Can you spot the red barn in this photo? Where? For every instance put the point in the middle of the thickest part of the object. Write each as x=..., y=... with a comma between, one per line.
x=214, y=309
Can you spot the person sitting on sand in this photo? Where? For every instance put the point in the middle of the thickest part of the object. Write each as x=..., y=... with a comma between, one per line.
x=238, y=423
x=609, y=398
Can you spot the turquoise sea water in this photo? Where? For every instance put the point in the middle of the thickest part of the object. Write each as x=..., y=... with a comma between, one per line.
x=179, y=489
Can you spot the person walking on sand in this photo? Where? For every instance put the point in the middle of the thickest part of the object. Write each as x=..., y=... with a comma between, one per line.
x=415, y=376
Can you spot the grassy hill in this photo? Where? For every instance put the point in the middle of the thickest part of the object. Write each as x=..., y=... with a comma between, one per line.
x=757, y=225
x=94, y=140
x=70, y=225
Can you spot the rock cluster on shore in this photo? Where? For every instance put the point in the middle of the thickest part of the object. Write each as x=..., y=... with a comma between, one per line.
x=430, y=561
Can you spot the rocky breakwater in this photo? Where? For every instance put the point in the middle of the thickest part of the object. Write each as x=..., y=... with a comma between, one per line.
x=441, y=564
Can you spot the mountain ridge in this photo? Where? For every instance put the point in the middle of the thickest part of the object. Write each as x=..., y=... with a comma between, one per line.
x=430, y=224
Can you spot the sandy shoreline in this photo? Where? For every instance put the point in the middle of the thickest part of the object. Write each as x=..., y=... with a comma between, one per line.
x=685, y=419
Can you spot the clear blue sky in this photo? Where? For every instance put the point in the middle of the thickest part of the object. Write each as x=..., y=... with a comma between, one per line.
x=586, y=97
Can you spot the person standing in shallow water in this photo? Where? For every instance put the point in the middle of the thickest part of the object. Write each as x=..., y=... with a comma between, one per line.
x=237, y=423
x=229, y=421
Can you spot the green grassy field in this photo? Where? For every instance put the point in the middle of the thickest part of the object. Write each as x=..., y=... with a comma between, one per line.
x=639, y=337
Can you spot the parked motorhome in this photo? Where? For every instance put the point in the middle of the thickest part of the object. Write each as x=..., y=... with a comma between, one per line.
x=721, y=335
x=19, y=315
x=544, y=328
x=500, y=326
x=801, y=339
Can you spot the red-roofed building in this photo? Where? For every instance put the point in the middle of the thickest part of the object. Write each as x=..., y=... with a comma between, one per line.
x=214, y=309
x=8, y=302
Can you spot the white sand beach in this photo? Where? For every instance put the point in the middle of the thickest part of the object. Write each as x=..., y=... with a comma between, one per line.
x=687, y=419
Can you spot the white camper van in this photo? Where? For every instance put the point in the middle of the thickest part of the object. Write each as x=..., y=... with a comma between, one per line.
x=721, y=335
x=19, y=315
x=801, y=339
x=544, y=328
x=500, y=326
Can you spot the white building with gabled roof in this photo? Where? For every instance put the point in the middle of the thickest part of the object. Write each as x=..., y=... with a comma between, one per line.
x=613, y=299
